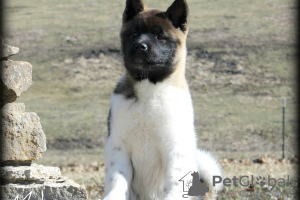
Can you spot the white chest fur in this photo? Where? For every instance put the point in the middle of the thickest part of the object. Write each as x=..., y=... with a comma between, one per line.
x=160, y=118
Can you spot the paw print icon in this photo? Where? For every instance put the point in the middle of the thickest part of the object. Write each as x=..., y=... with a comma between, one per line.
x=261, y=181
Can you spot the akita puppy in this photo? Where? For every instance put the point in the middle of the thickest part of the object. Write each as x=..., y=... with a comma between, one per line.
x=152, y=142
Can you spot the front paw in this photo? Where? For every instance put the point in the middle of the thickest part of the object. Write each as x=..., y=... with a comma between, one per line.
x=116, y=196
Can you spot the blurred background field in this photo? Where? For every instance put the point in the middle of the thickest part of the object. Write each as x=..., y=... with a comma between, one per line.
x=241, y=63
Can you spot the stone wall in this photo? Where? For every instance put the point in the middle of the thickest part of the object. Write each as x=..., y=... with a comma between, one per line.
x=23, y=141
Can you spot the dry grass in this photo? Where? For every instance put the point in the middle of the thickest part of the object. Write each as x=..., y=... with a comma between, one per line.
x=90, y=174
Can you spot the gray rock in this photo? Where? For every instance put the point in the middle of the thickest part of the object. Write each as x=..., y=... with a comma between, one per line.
x=33, y=172
x=14, y=108
x=8, y=51
x=49, y=190
x=16, y=78
x=22, y=135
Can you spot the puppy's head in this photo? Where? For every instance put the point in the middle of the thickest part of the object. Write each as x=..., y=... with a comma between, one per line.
x=153, y=41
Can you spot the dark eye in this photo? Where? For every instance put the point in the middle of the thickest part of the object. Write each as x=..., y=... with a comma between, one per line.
x=159, y=37
x=135, y=34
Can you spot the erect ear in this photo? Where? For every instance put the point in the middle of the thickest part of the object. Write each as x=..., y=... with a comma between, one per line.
x=178, y=14
x=133, y=8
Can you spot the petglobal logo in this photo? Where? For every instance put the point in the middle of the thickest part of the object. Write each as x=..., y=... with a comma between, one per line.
x=254, y=187
x=261, y=181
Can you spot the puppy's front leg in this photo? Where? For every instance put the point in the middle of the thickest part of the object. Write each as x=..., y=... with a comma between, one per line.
x=118, y=171
x=179, y=163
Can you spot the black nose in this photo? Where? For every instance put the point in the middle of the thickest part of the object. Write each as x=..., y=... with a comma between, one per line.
x=141, y=46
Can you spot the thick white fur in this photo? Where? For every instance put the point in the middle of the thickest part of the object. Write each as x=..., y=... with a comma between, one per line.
x=152, y=144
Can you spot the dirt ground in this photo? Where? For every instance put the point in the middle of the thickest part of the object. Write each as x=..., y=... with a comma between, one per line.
x=92, y=177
